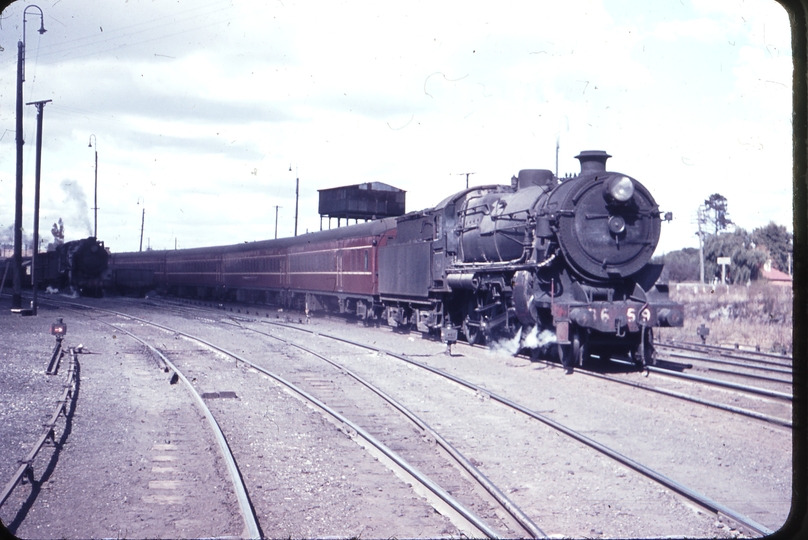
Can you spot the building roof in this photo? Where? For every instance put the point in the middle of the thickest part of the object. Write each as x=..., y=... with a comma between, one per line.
x=775, y=275
x=371, y=186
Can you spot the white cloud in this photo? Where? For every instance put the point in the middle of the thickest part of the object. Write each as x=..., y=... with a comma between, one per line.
x=205, y=108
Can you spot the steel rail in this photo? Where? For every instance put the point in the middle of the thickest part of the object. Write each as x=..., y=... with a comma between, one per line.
x=251, y=529
x=26, y=464
x=725, y=384
x=714, y=360
x=727, y=351
x=483, y=480
x=702, y=500
x=750, y=376
x=516, y=512
x=475, y=522
x=694, y=399
x=744, y=523
x=678, y=395
x=671, y=393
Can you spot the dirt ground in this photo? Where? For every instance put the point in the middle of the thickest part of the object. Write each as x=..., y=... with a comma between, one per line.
x=136, y=447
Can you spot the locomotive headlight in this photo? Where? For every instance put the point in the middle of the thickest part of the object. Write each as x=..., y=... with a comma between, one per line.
x=620, y=188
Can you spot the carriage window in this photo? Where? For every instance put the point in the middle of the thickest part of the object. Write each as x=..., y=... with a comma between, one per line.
x=366, y=259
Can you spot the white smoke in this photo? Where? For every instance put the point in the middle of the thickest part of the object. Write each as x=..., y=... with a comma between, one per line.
x=538, y=340
x=530, y=339
x=76, y=205
x=509, y=346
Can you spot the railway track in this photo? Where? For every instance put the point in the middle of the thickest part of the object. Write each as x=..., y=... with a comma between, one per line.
x=468, y=522
x=750, y=526
x=251, y=529
x=771, y=405
x=320, y=384
x=746, y=525
x=769, y=374
x=137, y=454
x=731, y=352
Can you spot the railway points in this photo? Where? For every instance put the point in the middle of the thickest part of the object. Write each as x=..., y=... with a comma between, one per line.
x=135, y=454
x=463, y=359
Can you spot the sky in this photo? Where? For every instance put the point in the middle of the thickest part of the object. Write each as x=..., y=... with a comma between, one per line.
x=203, y=113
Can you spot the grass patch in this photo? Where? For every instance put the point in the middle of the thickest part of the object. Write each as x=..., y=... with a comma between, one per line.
x=757, y=315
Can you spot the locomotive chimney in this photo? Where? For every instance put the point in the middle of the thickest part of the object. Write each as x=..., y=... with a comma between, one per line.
x=592, y=161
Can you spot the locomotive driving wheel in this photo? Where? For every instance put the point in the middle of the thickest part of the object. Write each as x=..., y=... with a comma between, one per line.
x=472, y=322
x=472, y=330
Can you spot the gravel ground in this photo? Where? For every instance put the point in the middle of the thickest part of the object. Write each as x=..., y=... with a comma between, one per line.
x=128, y=416
x=138, y=461
x=566, y=488
x=742, y=463
x=305, y=477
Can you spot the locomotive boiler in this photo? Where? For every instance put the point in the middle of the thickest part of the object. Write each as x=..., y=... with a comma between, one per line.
x=569, y=258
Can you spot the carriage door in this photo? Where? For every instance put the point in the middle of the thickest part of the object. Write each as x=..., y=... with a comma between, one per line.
x=339, y=253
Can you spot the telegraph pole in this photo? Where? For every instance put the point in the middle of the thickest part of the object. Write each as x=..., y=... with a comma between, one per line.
x=700, y=234
x=297, y=197
x=276, y=221
x=142, y=222
x=467, y=177
x=16, y=296
x=40, y=107
x=95, y=197
x=557, y=144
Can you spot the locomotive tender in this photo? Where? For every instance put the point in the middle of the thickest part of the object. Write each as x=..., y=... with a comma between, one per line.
x=488, y=262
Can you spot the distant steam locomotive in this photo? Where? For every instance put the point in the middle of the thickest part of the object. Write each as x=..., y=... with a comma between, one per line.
x=77, y=266
x=487, y=262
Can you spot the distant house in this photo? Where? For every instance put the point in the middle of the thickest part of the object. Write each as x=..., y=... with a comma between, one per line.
x=775, y=276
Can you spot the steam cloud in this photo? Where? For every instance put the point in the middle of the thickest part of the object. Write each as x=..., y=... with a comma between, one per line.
x=76, y=206
x=536, y=340
x=531, y=339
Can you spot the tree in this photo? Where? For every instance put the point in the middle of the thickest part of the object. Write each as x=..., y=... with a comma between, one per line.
x=738, y=246
x=680, y=265
x=776, y=241
x=716, y=212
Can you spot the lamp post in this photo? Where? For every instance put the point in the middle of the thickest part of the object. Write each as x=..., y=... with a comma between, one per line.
x=16, y=297
x=297, y=193
x=95, y=197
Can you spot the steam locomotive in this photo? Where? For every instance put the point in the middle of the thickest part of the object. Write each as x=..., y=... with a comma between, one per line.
x=568, y=257
x=78, y=266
